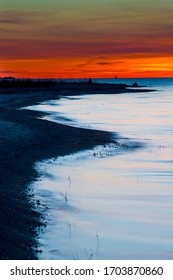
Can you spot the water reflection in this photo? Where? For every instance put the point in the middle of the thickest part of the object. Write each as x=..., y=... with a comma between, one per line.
x=126, y=204
x=118, y=206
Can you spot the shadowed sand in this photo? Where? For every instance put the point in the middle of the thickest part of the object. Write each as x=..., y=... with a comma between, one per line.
x=24, y=140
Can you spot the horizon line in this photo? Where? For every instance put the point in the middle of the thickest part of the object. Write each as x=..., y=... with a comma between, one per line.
x=84, y=78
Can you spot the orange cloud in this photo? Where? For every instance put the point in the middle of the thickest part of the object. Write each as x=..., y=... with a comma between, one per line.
x=100, y=40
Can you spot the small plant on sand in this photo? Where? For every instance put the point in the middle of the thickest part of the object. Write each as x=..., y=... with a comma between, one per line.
x=98, y=241
x=75, y=256
x=69, y=227
x=64, y=195
x=89, y=255
x=69, y=181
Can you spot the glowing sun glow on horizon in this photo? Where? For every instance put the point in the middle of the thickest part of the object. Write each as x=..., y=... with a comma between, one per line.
x=126, y=38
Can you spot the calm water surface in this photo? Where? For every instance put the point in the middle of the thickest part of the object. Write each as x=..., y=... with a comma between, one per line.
x=112, y=202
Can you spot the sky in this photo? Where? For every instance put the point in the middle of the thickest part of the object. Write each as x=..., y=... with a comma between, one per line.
x=79, y=38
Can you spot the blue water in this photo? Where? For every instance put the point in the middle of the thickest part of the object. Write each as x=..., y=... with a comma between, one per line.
x=149, y=82
x=112, y=202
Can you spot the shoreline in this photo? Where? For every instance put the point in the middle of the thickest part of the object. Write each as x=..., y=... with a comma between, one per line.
x=24, y=140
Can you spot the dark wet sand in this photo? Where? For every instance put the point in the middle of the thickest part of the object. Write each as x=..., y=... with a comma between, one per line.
x=24, y=140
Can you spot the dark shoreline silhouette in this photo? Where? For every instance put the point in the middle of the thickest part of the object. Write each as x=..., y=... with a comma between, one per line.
x=11, y=82
x=26, y=139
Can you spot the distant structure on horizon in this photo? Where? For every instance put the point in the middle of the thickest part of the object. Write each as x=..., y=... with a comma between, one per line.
x=8, y=78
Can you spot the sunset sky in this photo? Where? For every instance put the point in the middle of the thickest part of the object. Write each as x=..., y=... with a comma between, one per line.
x=93, y=38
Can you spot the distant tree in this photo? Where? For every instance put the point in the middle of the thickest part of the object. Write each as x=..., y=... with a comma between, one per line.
x=135, y=85
x=90, y=81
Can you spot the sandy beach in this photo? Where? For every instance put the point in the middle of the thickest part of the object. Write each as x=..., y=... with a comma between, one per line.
x=24, y=140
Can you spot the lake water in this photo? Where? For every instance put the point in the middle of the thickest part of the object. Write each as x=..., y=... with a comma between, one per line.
x=112, y=202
